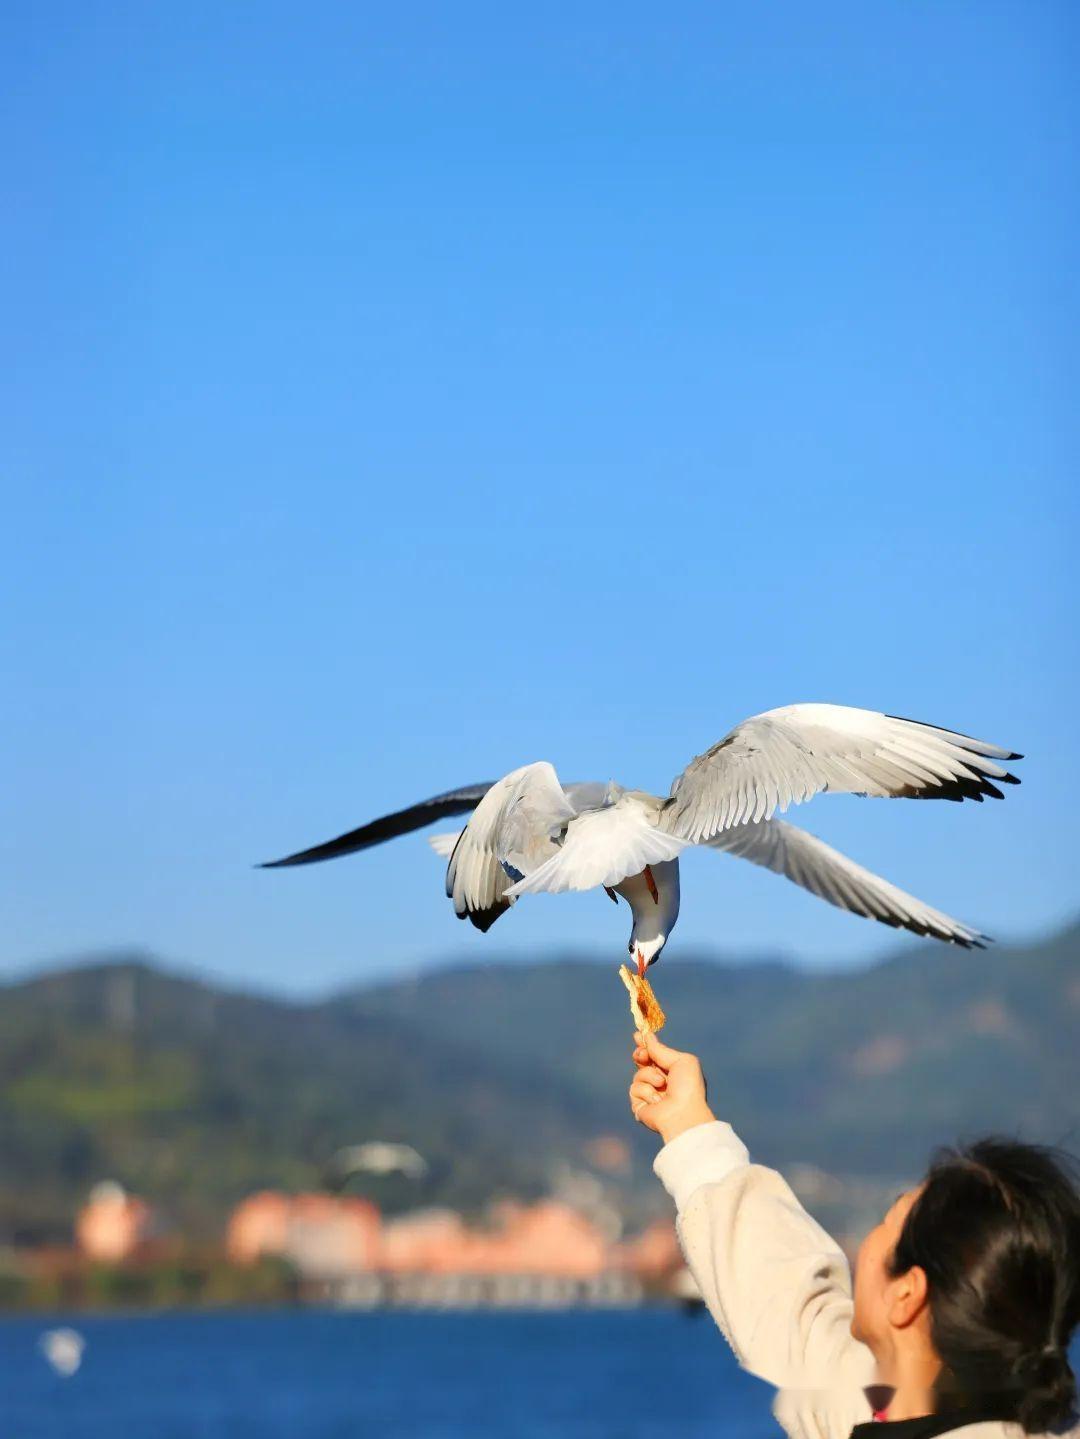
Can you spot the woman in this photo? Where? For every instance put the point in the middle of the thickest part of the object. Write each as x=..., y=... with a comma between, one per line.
x=966, y=1294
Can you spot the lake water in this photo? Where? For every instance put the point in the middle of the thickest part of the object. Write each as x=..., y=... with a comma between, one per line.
x=317, y=1375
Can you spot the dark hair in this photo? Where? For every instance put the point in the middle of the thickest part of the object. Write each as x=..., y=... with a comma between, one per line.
x=996, y=1229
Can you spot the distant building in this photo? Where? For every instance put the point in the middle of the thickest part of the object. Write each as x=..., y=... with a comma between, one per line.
x=427, y=1241
x=330, y=1237
x=112, y=1224
x=258, y=1226
x=321, y=1234
x=327, y=1235
x=546, y=1238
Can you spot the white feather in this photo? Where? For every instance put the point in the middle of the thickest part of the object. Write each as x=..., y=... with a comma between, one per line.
x=786, y=756
x=602, y=847
x=824, y=871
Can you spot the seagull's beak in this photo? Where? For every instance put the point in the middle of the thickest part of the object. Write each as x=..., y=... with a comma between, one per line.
x=642, y=965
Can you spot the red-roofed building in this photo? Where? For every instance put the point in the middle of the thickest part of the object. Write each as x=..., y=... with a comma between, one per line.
x=112, y=1224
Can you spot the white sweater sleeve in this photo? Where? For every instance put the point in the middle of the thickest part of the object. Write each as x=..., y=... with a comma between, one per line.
x=774, y=1281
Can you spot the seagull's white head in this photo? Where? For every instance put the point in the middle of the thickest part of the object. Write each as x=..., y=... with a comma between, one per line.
x=653, y=897
x=646, y=950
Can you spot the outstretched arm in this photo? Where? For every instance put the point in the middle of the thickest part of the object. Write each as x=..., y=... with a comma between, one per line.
x=776, y=1284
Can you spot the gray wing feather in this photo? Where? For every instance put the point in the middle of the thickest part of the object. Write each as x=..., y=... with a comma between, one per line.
x=389, y=826
x=824, y=871
x=513, y=827
x=788, y=755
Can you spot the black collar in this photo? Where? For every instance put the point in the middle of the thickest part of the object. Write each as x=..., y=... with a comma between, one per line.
x=924, y=1428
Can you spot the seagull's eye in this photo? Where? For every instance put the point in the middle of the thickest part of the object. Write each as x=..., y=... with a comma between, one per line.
x=630, y=947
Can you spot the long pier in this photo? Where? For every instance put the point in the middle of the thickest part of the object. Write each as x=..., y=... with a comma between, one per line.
x=374, y=1290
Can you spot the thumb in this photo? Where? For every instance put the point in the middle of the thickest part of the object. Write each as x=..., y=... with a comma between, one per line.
x=660, y=1053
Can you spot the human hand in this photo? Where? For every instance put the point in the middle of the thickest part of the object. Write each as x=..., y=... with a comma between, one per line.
x=668, y=1094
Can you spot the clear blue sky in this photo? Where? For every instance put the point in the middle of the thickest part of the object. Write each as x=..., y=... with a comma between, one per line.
x=397, y=394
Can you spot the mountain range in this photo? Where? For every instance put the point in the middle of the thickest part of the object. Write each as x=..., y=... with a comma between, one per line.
x=504, y=1076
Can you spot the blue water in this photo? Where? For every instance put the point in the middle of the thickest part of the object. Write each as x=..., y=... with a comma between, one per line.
x=313, y=1375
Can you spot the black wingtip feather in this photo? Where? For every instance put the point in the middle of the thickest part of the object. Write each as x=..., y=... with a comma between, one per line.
x=905, y=719
x=483, y=919
x=925, y=931
x=388, y=826
x=978, y=787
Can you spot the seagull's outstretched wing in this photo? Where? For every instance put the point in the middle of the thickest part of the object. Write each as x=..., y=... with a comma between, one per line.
x=601, y=847
x=826, y=872
x=582, y=794
x=513, y=830
x=788, y=755
x=402, y=821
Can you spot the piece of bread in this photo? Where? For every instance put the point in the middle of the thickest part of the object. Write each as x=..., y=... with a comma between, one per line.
x=644, y=1005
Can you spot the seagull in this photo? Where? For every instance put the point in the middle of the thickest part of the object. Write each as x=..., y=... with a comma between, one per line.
x=531, y=834
x=63, y=1348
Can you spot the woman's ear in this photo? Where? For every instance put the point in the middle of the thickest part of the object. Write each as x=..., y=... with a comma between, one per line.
x=907, y=1296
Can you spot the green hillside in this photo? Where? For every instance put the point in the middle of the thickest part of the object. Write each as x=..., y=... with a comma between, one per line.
x=193, y=1096
x=856, y=1072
